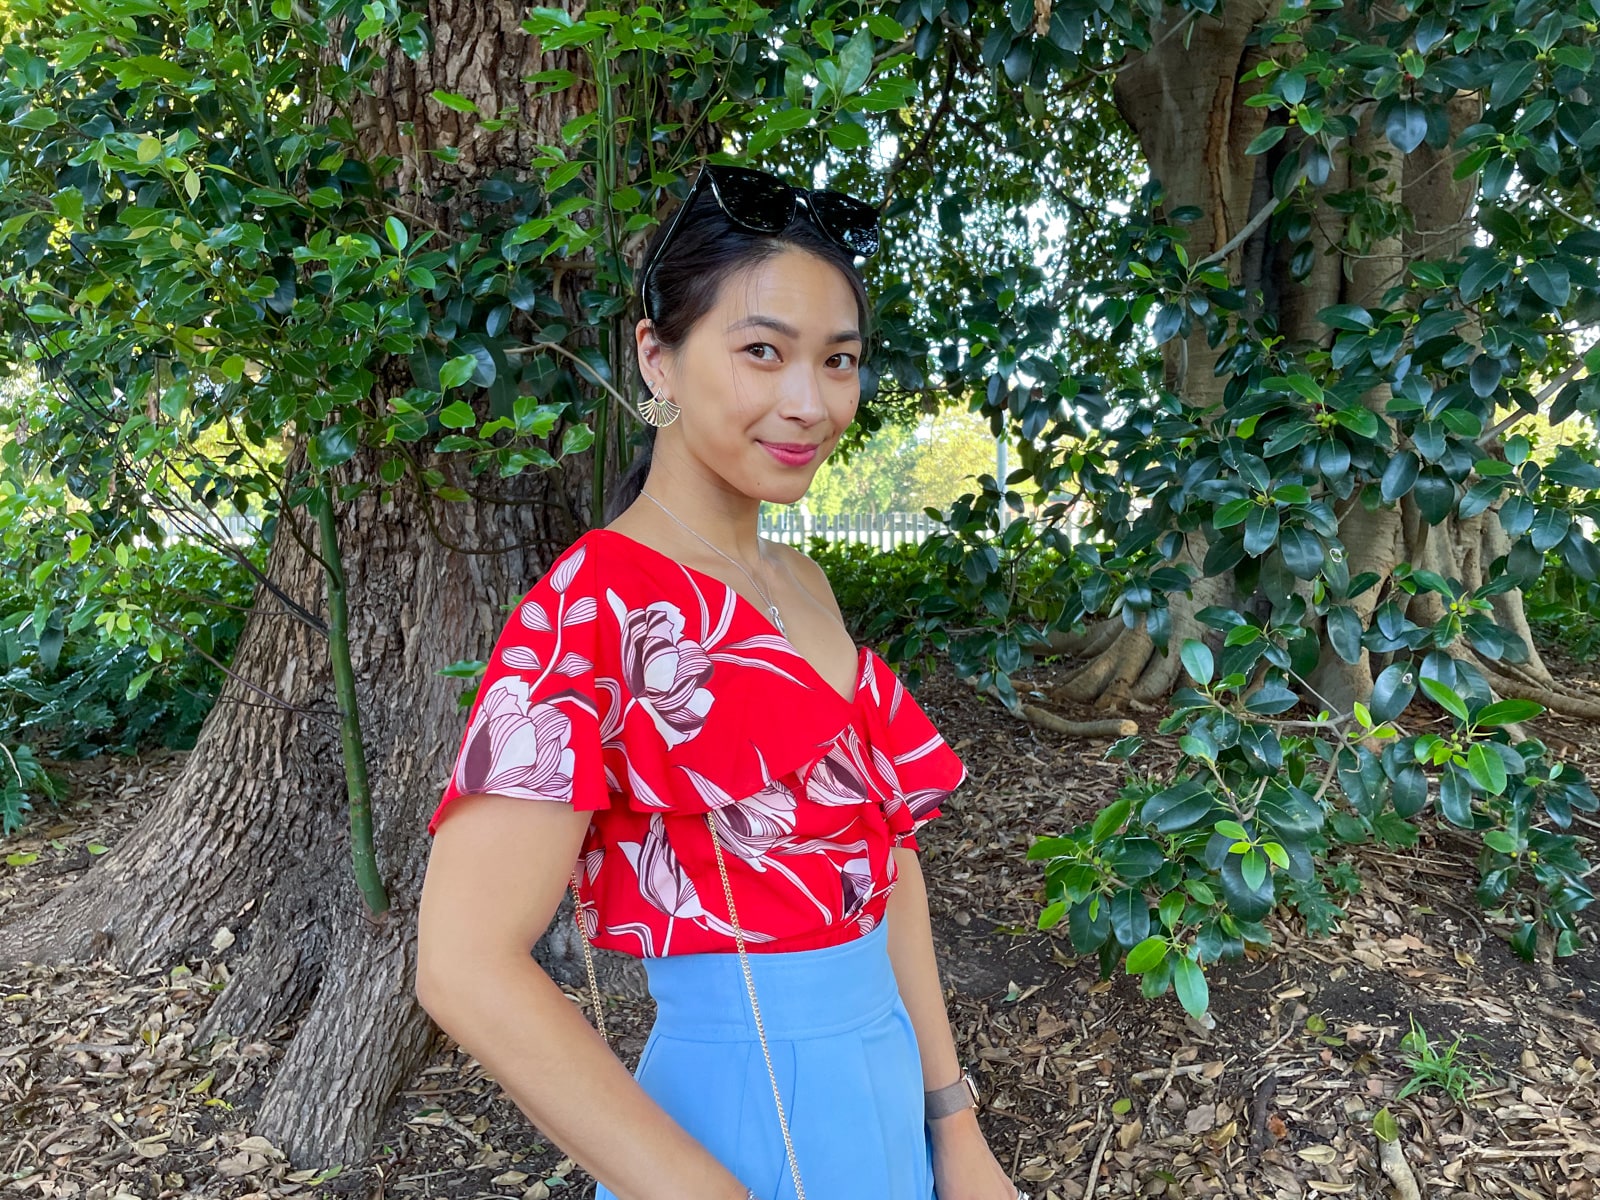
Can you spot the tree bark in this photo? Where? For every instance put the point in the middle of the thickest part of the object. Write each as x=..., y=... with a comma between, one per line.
x=1186, y=104
x=254, y=835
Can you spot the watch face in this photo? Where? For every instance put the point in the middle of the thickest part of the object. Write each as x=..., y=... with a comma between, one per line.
x=971, y=1086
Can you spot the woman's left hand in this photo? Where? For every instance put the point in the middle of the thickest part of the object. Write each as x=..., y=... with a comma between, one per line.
x=964, y=1168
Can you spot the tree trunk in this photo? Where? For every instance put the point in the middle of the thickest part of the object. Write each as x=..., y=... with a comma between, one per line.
x=254, y=836
x=1186, y=104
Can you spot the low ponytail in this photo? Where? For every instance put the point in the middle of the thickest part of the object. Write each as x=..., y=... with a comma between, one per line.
x=630, y=483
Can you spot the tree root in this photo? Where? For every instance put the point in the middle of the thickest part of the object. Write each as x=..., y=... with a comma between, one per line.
x=1088, y=644
x=1393, y=1160
x=1115, y=727
x=1556, y=697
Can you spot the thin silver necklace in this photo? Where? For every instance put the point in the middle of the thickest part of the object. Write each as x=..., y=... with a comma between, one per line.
x=772, y=609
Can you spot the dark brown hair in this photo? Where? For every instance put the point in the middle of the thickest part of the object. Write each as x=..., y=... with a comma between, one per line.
x=685, y=285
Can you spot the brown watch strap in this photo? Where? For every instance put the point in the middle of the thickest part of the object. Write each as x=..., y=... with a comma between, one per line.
x=941, y=1102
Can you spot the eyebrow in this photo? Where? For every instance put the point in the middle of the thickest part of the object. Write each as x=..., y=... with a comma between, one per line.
x=788, y=330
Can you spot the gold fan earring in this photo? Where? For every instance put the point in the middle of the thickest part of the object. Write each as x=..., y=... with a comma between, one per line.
x=657, y=411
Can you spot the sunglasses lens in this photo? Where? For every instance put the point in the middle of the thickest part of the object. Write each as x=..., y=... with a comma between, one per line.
x=760, y=202
x=852, y=223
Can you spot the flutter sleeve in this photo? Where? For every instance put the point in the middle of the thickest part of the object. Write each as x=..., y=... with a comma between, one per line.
x=534, y=730
x=920, y=765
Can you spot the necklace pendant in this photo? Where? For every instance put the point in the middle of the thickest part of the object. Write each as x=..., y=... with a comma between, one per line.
x=776, y=619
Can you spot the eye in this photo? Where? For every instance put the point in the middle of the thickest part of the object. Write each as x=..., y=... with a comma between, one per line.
x=853, y=360
x=760, y=346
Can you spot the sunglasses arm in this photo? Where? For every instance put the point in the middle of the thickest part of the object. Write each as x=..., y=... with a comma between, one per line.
x=666, y=240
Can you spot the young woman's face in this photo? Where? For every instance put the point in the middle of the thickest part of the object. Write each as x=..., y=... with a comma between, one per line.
x=767, y=381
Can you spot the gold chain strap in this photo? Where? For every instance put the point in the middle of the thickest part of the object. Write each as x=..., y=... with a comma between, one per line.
x=749, y=983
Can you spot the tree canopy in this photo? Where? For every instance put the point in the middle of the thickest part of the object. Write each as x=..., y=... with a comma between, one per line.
x=1263, y=287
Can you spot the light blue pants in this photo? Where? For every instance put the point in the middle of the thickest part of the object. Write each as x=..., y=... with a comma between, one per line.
x=844, y=1052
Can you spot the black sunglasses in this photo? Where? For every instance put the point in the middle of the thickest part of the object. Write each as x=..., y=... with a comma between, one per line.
x=763, y=203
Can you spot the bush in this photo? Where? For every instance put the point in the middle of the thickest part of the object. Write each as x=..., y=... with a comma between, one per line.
x=1179, y=873
x=74, y=685
x=22, y=777
x=1564, y=610
x=914, y=595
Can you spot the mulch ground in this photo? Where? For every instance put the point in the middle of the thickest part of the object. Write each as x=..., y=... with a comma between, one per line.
x=1091, y=1091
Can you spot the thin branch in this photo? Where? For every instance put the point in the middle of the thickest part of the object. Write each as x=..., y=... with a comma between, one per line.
x=1573, y=217
x=1546, y=393
x=1255, y=223
x=904, y=157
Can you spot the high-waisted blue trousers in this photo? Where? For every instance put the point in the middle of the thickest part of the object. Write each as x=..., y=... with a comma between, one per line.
x=844, y=1052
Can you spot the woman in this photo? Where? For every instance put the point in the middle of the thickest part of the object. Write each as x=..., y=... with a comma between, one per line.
x=738, y=784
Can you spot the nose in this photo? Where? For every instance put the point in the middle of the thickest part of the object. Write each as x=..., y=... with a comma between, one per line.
x=803, y=398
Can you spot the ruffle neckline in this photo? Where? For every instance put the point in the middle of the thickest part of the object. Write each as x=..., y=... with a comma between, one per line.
x=771, y=715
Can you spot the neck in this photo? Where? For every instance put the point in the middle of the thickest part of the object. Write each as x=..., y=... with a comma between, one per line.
x=727, y=519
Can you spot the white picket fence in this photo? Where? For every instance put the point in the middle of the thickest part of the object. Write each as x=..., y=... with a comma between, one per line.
x=883, y=530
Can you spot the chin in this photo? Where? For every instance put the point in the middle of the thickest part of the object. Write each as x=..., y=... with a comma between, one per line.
x=790, y=494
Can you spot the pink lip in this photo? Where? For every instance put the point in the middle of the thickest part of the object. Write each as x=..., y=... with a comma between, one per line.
x=791, y=454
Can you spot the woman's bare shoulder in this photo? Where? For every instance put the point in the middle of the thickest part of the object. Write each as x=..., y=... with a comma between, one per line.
x=806, y=569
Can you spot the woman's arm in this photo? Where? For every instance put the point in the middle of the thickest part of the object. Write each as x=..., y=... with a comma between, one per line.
x=964, y=1167
x=495, y=876
x=916, y=971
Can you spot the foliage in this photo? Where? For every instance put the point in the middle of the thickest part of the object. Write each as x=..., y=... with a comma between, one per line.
x=1564, y=611
x=868, y=477
x=1399, y=401
x=1432, y=1069
x=23, y=779
x=887, y=595
x=76, y=676
x=899, y=467
x=1177, y=874
x=202, y=242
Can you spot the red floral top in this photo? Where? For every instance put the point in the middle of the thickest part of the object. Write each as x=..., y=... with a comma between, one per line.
x=651, y=693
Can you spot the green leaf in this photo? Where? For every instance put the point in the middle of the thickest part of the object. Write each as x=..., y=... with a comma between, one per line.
x=396, y=231
x=1198, y=661
x=1232, y=513
x=847, y=135
x=1178, y=807
x=1407, y=126
x=1350, y=317
x=457, y=371
x=1507, y=712
x=1130, y=916
x=1302, y=552
x=1550, y=281
x=1146, y=955
x=1344, y=632
x=1436, y=495
x=458, y=103
x=332, y=446
x=1392, y=691
x=1110, y=820
x=855, y=64
x=1384, y=1126
x=457, y=415
x=1511, y=80
x=1189, y=981
x=1487, y=768
x=1260, y=530
x=1253, y=869
x=1499, y=839
x=1266, y=139
x=1446, y=698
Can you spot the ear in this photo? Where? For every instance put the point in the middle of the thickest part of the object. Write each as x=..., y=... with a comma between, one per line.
x=652, y=354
